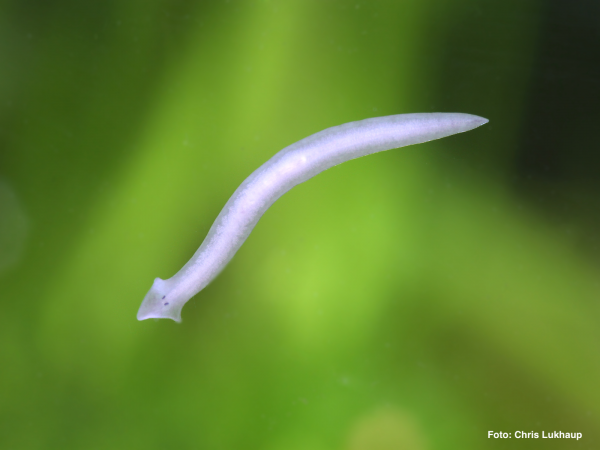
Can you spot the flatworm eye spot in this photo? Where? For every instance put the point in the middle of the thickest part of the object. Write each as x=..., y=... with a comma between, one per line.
x=166, y=303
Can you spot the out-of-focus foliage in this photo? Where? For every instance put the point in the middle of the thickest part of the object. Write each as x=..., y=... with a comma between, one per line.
x=407, y=300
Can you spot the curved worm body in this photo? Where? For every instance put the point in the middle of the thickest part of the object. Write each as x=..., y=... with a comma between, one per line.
x=291, y=166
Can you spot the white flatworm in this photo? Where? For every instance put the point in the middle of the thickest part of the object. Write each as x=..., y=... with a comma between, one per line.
x=291, y=166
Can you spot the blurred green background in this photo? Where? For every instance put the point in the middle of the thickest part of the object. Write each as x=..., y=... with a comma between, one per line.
x=413, y=299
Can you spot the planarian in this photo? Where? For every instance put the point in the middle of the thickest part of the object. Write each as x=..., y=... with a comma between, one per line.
x=291, y=166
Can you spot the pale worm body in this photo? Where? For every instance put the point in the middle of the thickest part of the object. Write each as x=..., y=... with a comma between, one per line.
x=291, y=166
